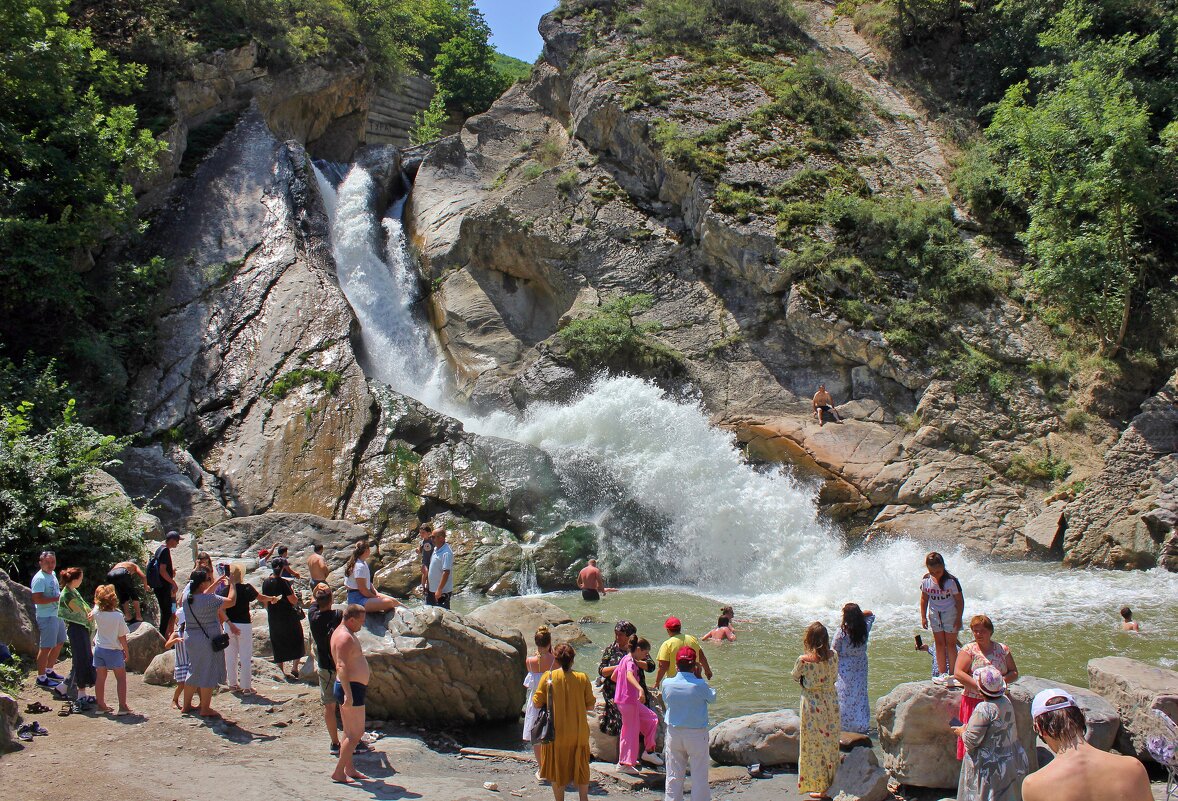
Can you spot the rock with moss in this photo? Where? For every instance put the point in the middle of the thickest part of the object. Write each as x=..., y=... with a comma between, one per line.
x=560, y=556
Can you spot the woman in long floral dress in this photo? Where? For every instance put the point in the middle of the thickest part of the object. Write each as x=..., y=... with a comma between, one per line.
x=995, y=761
x=850, y=643
x=817, y=670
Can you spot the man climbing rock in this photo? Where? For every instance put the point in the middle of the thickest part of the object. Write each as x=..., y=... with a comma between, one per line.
x=823, y=403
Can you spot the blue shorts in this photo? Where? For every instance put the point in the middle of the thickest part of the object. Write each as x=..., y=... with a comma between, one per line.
x=109, y=658
x=357, y=597
x=358, y=692
x=52, y=631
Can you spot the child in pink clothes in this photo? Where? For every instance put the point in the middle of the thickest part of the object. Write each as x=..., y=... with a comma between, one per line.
x=637, y=718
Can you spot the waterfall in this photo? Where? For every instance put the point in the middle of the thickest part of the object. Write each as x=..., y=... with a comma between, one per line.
x=526, y=583
x=722, y=526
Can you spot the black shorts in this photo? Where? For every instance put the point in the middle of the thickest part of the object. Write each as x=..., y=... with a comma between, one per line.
x=443, y=602
x=124, y=584
x=358, y=692
x=590, y=595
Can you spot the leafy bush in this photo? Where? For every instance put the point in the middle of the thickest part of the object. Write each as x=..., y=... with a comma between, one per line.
x=612, y=332
x=748, y=25
x=45, y=503
x=568, y=181
x=427, y=125
x=1028, y=468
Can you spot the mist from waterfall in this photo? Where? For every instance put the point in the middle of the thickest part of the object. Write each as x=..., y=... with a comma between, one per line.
x=724, y=527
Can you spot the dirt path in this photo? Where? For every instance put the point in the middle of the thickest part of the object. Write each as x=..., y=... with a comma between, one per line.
x=278, y=749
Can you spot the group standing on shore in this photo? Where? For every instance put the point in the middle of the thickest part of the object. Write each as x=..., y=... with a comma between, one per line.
x=211, y=615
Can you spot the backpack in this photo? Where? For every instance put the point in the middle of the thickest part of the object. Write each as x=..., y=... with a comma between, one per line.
x=153, y=570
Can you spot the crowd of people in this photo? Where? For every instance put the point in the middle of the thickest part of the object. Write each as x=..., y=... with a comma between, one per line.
x=207, y=621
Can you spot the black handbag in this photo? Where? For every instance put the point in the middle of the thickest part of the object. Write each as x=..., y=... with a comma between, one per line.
x=220, y=642
x=544, y=727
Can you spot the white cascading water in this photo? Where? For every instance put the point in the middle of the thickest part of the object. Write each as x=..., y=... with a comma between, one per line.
x=734, y=531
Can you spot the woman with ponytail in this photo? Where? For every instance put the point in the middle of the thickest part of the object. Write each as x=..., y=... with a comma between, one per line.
x=637, y=718
x=358, y=580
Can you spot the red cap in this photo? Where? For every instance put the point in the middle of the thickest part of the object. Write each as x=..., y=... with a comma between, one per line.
x=673, y=623
x=686, y=654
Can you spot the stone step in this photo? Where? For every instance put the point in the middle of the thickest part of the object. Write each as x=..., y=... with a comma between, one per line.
x=399, y=104
x=397, y=112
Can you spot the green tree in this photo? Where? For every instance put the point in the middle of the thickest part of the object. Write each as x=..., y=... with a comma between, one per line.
x=465, y=67
x=1081, y=154
x=66, y=146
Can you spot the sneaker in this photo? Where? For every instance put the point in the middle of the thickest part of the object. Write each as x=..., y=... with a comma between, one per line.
x=951, y=682
x=362, y=748
x=53, y=674
x=651, y=758
x=941, y=679
x=47, y=683
x=629, y=770
x=334, y=749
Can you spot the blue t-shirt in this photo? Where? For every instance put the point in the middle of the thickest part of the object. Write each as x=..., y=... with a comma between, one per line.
x=686, y=698
x=46, y=584
x=441, y=561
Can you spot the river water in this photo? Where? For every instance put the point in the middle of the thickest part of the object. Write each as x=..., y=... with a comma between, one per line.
x=716, y=529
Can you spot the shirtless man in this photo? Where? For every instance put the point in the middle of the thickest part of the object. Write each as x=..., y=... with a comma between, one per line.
x=1079, y=772
x=590, y=582
x=351, y=684
x=317, y=567
x=823, y=402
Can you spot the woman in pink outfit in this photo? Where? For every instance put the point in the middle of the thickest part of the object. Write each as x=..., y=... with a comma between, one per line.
x=637, y=718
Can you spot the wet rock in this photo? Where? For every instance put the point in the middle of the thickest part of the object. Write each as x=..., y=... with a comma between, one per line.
x=1126, y=515
x=144, y=644
x=770, y=738
x=559, y=557
x=525, y=615
x=412, y=655
x=1134, y=688
x=17, y=617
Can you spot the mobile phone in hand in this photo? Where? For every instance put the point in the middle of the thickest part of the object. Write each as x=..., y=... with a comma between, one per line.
x=954, y=723
x=919, y=642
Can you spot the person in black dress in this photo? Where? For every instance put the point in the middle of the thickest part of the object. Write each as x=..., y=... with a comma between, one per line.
x=285, y=618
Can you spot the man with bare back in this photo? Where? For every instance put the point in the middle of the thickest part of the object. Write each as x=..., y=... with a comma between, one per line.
x=351, y=685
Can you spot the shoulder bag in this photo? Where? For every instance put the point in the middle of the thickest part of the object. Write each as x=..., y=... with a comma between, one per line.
x=220, y=642
x=544, y=726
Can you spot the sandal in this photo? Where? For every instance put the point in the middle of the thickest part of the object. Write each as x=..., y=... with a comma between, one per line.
x=36, y=708
x=65, y=711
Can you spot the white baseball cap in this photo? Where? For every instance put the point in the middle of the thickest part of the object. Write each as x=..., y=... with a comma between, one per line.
x=1041, y=703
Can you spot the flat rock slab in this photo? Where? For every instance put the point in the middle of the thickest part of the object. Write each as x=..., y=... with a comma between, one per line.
x=1134, y=688
x=1104, y=722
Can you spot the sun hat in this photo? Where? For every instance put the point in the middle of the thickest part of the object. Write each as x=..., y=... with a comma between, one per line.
x=1042, y=702
x=685, y=654
x=990, y=681
x=673, y=623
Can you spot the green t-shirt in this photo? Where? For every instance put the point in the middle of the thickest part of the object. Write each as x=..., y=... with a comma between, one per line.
x=70, y=595
x=669, y=649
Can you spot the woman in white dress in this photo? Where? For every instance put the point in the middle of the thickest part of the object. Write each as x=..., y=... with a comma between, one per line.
x=538, y=665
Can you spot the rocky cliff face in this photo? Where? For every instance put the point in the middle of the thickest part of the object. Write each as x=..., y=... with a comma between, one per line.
x=560, y=198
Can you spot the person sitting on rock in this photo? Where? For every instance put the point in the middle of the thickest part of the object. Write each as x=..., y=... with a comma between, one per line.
x=1127, y=621
x=823, y=403
x=1079, y=771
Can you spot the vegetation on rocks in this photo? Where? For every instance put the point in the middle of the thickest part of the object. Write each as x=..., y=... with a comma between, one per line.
x=329, y=380
x=613, y=332
x=45, y=503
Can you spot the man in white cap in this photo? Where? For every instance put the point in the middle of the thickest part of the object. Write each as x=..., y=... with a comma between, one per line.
x=1079, y=772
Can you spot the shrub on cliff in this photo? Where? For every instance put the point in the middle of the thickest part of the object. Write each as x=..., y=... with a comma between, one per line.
x=613, y=333
x=45, y=503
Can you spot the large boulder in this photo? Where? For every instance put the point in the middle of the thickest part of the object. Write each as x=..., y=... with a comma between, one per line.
x=144, y=644
x=244, y=536
x=1134, y=688
x=770, y=738
x=160, y=671
x=525, y=615
x=1103, y=720
x=431, y=666
x=17, y=616
x=859, y=777
x=560, y=557
x=171, y=485
x=914, y=734
x=602, y=747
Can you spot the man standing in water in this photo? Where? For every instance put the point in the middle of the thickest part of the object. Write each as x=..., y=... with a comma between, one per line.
x=1079, y=771
x=351, y=685
x=822, y=404
x=426, y=549
x=590, y=582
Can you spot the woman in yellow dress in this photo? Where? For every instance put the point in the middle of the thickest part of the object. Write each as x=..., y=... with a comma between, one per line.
x=565, y=760
x=817, y=670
